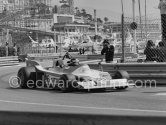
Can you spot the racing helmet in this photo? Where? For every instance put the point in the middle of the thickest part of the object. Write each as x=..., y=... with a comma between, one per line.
x=74, y=62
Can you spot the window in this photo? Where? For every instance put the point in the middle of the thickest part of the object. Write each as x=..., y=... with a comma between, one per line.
x=63, y=19
x=11, y=1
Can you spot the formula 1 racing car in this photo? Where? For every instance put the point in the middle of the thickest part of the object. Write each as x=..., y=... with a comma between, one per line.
x=67, y=74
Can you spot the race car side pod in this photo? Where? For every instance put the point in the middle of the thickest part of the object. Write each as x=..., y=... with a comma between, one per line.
x=43, y=118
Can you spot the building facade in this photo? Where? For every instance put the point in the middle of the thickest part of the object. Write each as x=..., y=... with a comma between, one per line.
x=66, y=7
x=15, y=5
x=71, y=28
x=151, y=29
x=63, y=18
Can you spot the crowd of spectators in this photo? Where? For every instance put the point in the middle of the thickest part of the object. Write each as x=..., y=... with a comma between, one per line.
x=155, y=53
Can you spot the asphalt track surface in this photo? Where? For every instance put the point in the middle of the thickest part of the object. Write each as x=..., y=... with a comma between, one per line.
x=133, y=101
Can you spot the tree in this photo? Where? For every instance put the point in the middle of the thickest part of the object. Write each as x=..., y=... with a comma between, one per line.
x=47, y=10
x=106, y=19
x=4, y=12
x=84, y=12
x=76, y=9
x=78, y=13
x=55, y=9
x=99, y=20
x=89, y=16
x=42, y=8
x=32, y=12
x=22, y=40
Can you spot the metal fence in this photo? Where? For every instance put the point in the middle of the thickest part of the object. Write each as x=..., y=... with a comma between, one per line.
x=146, y=38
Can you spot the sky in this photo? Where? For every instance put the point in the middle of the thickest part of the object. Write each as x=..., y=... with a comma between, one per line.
x=112, y=8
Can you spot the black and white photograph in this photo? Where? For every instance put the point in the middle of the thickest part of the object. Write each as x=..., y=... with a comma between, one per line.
x=82, y=62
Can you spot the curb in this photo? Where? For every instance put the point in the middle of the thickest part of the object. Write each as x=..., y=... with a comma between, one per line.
x=9, y=61
x=9, y=64
x=31, y=118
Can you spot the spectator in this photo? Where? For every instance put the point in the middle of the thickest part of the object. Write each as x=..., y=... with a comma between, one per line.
x=83, y=50
x=108, y=50
x=56, y=49
x=150, y=51
x=7, y=49
x=161, y=52
x=80, y=51
x=15, y=49
x=162, y=7
x=18, y=51
x=70, y=49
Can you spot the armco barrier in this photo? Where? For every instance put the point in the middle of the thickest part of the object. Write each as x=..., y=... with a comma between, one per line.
x=139, y=72
x=47, y=56
x=29, y=118
x=80, y=57
x=10, y=60
x=55, y=56
x=47, y=64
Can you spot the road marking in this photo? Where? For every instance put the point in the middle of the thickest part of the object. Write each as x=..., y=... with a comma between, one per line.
x=82, y=107
x=162, y=94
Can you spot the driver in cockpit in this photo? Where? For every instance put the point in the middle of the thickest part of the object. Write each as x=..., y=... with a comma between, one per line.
x=67, y=61
x=67, y=56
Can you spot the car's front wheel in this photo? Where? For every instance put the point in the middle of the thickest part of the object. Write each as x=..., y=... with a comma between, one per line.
x=67, y=82
x=121, y=74
x=26, y=75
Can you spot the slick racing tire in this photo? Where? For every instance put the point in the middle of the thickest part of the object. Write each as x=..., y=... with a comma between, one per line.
x=25, y=75
x=121, y=74
x=67, y=83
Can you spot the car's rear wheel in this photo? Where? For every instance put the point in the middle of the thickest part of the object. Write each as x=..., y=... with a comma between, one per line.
x=121, y=74
x=27, y=75
x=67, y=83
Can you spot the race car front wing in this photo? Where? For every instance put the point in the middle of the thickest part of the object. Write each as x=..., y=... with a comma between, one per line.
x=113, y=83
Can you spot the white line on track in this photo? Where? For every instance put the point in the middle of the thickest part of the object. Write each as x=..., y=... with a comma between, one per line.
x=160, y=94
x=82, y=107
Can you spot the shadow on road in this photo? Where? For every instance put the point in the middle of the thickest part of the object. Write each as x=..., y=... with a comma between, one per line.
x=74, y=91
x=155, y=92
